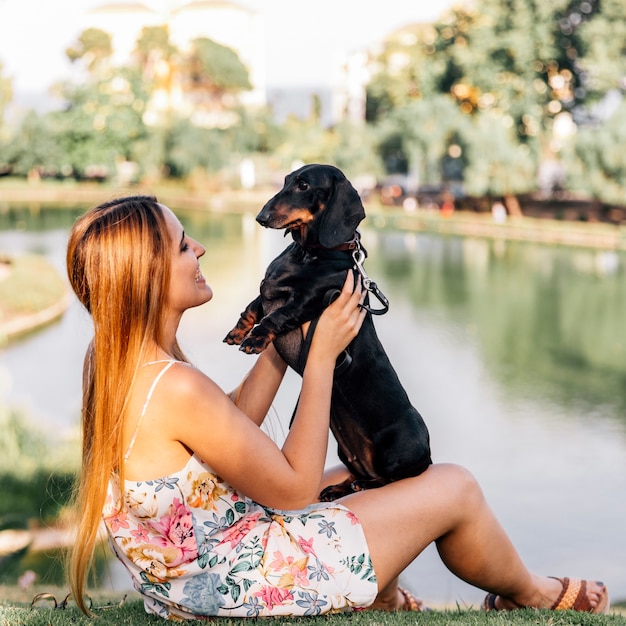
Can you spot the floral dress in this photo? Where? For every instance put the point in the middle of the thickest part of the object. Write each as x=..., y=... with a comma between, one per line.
x=196, y=547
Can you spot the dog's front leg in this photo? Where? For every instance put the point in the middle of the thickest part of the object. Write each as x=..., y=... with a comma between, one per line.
x=287, y=317
x=246, y=322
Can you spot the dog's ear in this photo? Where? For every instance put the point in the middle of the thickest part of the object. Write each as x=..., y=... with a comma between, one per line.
x=343, y=214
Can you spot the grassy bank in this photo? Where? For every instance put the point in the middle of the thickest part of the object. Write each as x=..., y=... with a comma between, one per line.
x=19, y=613
x=32, y=294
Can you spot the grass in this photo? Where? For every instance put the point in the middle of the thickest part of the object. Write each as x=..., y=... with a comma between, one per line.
x=15, y=610
x=32, y=284
x=32, y=294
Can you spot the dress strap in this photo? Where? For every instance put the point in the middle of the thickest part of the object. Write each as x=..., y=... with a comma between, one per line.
x=169, y=362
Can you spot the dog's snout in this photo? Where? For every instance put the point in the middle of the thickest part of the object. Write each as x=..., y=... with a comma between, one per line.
x=263, y=216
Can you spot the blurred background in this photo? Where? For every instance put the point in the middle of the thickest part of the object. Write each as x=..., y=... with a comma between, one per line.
x=455, y=103
x=486, y=140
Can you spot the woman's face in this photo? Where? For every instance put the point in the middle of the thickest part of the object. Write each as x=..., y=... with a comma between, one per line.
x=188, y=288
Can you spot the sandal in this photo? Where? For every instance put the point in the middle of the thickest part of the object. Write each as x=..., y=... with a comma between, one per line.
x=411, y=603
x=573, y=597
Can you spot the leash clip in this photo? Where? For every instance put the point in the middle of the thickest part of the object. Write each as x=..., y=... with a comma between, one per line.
x=358, y=254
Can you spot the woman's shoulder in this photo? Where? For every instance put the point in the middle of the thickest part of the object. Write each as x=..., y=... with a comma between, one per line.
x=187, y=380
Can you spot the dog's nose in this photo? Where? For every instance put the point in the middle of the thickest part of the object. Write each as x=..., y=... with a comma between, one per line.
x=263, y=217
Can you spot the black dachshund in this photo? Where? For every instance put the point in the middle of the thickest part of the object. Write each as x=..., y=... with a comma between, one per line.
x=381, y=437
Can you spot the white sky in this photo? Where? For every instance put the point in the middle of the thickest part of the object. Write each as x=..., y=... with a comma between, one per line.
x=303, y=36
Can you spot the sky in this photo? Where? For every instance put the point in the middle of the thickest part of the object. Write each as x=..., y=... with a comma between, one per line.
x=303, y=36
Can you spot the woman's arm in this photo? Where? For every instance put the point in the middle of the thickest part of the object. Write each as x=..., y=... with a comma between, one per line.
x=256, y=392
x=236, y=448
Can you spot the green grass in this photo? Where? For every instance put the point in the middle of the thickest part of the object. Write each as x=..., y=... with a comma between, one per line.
x=32, y=284
x=15, y=611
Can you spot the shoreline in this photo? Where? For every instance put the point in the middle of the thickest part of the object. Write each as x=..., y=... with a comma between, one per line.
x=20, y=325
x=600, y=235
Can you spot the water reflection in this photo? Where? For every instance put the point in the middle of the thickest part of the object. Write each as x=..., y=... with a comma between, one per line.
x=548, y=321
x=514, y=353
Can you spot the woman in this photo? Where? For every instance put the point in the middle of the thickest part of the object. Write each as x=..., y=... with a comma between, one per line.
x=206, y=512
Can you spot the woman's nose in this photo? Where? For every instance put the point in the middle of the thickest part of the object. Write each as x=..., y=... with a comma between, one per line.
x=199, y=248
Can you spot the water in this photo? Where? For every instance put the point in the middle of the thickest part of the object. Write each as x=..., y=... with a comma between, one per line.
x=514, y=354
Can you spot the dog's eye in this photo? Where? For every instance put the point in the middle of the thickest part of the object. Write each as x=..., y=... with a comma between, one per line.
x=303, y=185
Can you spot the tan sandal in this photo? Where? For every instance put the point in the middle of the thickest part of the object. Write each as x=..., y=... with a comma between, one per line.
x=573, y=597
x=411, y=603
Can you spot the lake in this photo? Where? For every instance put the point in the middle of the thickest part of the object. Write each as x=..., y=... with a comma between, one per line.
x=515, y=354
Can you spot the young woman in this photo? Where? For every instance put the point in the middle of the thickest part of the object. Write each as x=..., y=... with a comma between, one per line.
x=207, y=513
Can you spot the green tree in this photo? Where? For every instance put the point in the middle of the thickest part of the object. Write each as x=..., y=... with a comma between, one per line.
x=594, y=37
x=93, y=47
x=416, y=137
x=512, y=68
x=33, y=150
x=596, y=162
x=101, y=123
x=216, y=69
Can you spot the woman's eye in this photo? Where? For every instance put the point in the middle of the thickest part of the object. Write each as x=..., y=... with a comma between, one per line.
x=184, y=247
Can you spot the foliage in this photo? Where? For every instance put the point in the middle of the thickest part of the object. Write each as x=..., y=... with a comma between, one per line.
x=419, y=134
x=596, y=162
x=602, y=62
x=35, y=472
x=93, y=46
x=511, y=66
x=496, y=164
x=32, y=148
x=482, y=96
x=216, y=68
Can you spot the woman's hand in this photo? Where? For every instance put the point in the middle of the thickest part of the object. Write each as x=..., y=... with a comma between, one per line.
x=340, y=323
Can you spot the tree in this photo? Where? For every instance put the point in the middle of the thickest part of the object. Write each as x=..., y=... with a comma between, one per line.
x=596, y=161
x=101, y=122
x=216, y=68
x=213, y=77
x=33, y=149
x=513, y=69
x=93, y=47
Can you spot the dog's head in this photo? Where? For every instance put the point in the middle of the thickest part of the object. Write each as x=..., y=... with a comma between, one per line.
x=317, y=205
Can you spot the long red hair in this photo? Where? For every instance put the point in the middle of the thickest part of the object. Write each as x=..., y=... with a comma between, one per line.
x=118, y=263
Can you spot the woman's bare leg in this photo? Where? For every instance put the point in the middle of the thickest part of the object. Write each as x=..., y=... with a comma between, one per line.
x=446, y=505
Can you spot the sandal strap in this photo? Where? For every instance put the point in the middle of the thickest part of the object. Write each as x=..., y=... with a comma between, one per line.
x=411, y=603
x=573, y=595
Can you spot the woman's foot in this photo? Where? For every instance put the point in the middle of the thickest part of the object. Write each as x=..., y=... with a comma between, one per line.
x=410, y=602
x=398, y=599
x=557, y=594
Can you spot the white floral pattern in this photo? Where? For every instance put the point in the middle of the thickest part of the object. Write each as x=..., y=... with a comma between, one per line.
x=196, y=547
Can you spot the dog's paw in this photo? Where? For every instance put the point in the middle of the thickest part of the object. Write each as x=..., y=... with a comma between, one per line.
x=234, y=337
x=255, y=343
x=334, y=492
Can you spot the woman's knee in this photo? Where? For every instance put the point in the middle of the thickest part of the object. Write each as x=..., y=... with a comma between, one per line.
x=460, y=484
